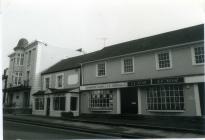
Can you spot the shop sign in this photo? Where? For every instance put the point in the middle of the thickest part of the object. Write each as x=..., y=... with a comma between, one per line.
x=139, y=83
x=174, y=80
x=104, y=86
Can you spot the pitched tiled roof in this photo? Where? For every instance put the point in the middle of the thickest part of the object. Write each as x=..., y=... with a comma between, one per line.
x=194, y=33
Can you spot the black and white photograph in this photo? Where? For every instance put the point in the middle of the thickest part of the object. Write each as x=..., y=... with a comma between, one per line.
x=102, y=69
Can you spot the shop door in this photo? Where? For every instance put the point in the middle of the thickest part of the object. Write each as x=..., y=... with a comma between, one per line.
x=73, y=103
x=26, y=99
x=48, y=107
x=202, y=97
x=129, y=101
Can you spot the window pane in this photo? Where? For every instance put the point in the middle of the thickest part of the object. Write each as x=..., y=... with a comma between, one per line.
x=199, y=55
x=101, y=69
x=128, y=65
x=164, y=60
x=165, y=98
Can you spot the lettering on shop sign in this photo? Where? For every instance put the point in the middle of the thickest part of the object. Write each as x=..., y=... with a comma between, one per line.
x=139, y=83
x=168, y=80
x=104, y=86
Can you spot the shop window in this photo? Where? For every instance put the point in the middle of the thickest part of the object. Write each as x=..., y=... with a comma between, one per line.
x=73, y=103
x=101, y=100
x=101, y=69
x=39, y=103
x=128, y=65
x=59, y=81
x=163, y=60
x=168, y=98
x=59, y=103
x=199, y=55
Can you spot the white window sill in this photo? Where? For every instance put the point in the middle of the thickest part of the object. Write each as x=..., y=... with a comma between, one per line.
x=198, y=64
x=59, y=87
x=101, y=109
x=166, y=111
x=127, y=73
x=101, y=76
x=167, y=68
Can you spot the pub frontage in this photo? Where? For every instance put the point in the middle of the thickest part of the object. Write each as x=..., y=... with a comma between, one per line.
x=175, y=96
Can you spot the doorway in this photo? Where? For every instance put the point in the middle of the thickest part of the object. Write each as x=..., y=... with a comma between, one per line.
x=202, y=97
x=129, y=101
x=73, y=103
x=48, y=107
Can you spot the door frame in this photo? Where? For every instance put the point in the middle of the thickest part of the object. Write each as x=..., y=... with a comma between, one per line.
x=48, y=102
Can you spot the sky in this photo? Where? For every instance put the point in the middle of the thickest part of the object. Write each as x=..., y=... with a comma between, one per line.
x=84, y=23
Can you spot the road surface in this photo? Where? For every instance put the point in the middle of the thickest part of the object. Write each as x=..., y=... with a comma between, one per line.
x=21, y=131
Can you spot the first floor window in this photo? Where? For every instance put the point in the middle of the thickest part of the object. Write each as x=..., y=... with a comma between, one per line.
x=128, y=65
x=199, y=55
x=20, y=59
x=47, y=83
x=101, y=100
x=169, y=97
x=39, y=103
x=101, y=69
x=18, y=78
x=164, y=60
x=59, y=81
x=59, y=103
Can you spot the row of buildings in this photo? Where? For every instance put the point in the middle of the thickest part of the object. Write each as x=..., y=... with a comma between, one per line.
x=157, y=75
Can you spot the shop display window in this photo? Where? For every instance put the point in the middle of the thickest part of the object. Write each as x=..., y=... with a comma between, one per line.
x=39, y=103
x=101, y=100
x=169, y=97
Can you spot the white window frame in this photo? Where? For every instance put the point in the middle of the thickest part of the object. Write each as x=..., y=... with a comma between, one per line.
x=29, y=55
x=41, y=99
x=96, y=105
x=157, y=60
x=59, y=109
x=105, y=69
x=19, y=58
x=56, y=81
x=44, y=81
x=193, y=56
x=152, y=102
x=17, y=77
x=123, y=68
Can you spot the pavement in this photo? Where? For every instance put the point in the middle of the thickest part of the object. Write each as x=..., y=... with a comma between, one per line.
x=109, y=127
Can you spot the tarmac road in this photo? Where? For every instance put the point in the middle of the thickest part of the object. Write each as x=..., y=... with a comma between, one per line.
x=21, y=131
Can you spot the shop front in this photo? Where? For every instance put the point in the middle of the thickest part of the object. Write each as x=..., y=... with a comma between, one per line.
x=175, y=96
x=55, y=101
